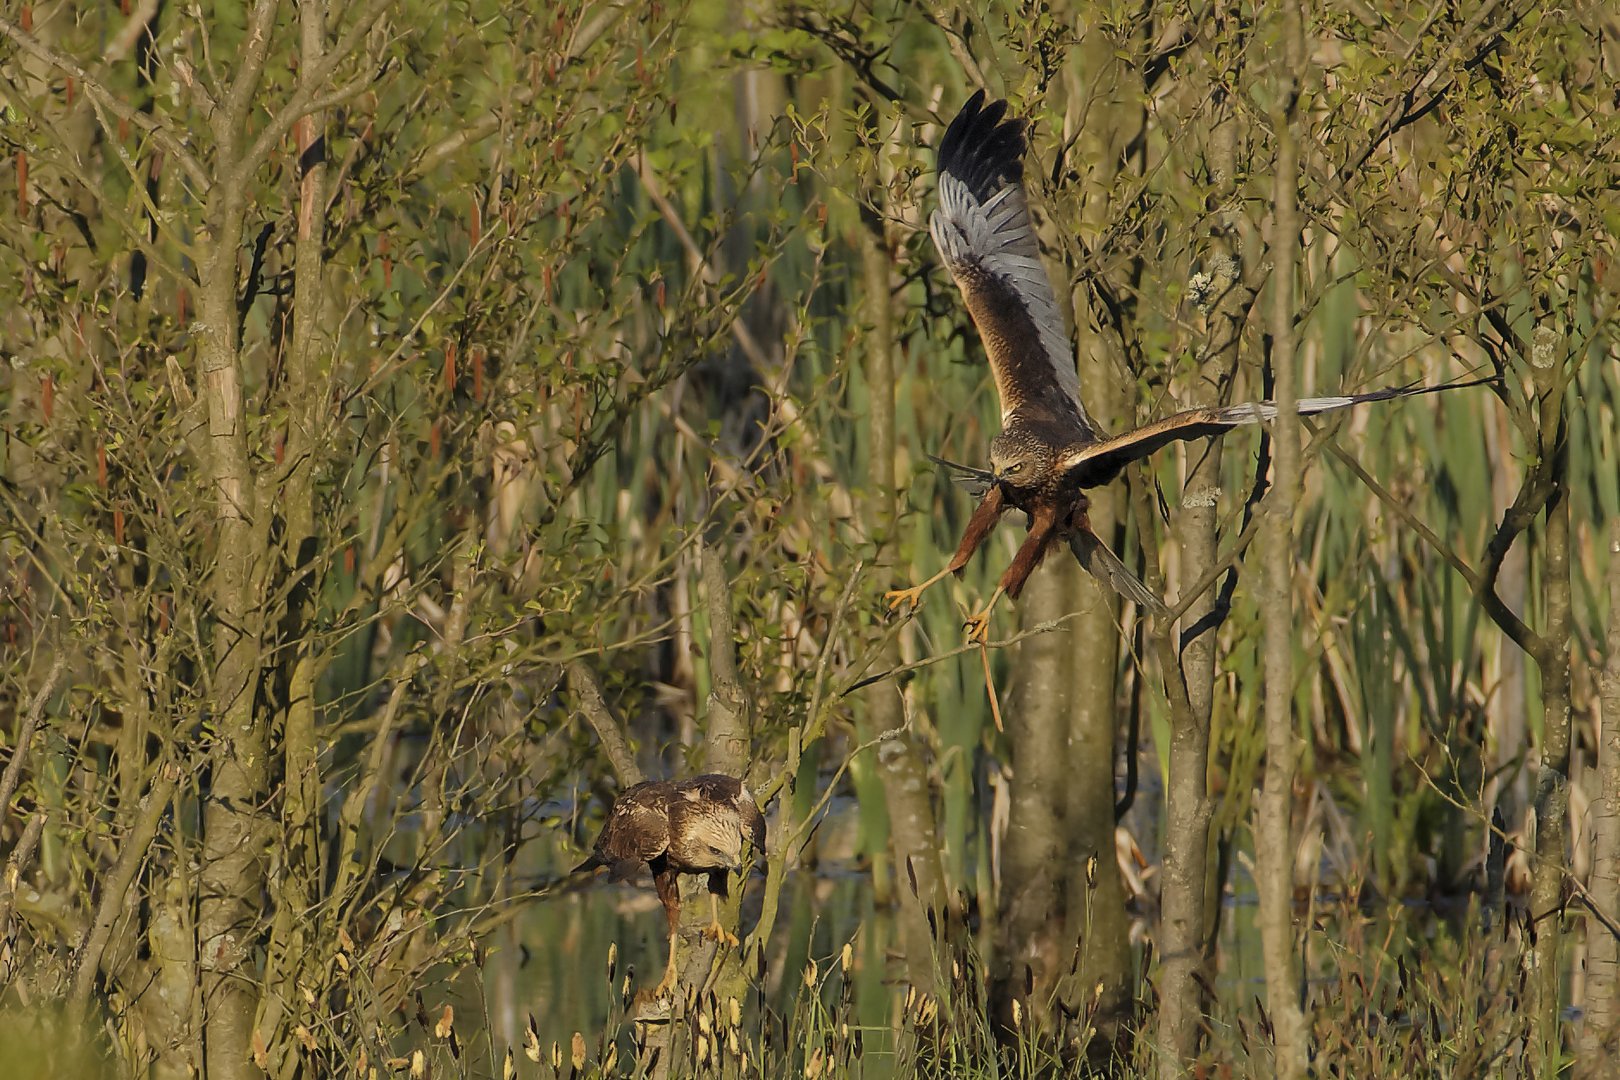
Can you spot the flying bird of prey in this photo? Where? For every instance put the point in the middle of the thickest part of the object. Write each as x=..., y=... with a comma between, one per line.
x=696, y=826
x=1049, y=450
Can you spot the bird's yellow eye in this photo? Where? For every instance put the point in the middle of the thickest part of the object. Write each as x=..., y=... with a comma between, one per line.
x=1014, y=468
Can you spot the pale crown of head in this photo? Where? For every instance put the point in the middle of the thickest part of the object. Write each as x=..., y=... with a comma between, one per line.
x=710, y=840
x=1019, y=460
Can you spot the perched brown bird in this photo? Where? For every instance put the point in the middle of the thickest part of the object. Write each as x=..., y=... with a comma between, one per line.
x=696, y=826
x=1049, y=450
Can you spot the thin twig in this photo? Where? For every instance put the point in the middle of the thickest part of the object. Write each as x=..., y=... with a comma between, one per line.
x=15, y=865
x=168, y=140
x=116, y=884
x=25, y=736
x=929, y=661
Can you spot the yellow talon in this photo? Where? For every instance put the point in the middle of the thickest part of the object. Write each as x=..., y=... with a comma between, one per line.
x=719, y=934
x=978, y=624
x=902, y=598
x=978, y=628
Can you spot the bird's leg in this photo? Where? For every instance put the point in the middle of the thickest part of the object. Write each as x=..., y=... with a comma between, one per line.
x=1042, y=528
x=714, y=930
x=911, y=597
x=667, y=983
x=985, y=516
x=669, y=894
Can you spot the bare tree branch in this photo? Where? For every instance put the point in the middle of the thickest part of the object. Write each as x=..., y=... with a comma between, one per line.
x=169, y=141
x=609, y=728
x=25, y=734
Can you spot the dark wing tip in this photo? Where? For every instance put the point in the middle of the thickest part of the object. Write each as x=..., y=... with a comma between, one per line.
x=589, y=864
x=983, y=149
x=975, y=481
x=624, y=869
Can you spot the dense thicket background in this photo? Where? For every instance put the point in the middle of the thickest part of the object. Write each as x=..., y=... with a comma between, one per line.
x=404, y=402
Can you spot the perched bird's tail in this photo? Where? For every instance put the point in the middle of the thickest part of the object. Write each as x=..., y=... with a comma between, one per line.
x=620, y=870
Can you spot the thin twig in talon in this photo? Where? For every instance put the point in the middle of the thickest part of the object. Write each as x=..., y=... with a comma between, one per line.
x=990, y=688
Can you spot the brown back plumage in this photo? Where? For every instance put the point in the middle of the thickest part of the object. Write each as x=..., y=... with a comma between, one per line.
x=636, y=831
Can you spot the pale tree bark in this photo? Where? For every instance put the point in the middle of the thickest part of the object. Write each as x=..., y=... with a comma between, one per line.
x=1273, y=837
x=1100, y=987
x=1601, y=1024
x=291, y=941
x=901, y=759
x=1551, y=801
x=1033, y=952
x=236, y=834
x=1105, y=117
x=1187, y=892
x=727, y=731
x=728, y=728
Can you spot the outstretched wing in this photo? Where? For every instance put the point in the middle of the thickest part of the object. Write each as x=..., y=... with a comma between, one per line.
x=983, y=233
x=1102, y=461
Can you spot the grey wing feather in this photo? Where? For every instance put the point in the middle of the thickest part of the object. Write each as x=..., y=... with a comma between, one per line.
x=983, y=233
x=1105, y=566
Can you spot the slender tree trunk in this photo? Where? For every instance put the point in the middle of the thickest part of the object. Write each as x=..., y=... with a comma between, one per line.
x=1106, y=118
x=1552, y=776
x=1187, y=894
x=305, y=394
x=1507, y=710
x=1100, y=988
x=1273, y=837
x=236, y=836
x=901, y=760
x=729, y=721
x=1602, y=1021
x=1033, y=951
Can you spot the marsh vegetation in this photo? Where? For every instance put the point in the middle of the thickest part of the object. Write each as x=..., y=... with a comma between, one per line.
x=421, y=419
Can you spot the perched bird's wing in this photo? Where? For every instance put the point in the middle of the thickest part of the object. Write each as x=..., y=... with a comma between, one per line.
x=753, y=821
x=1102, y=461
x=976, y=481
x=983, y=233
x=637, y=830
x=1105, y=566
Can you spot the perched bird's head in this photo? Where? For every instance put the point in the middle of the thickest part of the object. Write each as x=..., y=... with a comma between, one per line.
x=710, y=841
x=1019, y=460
